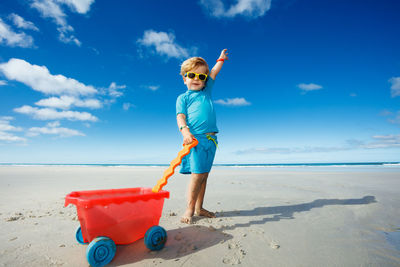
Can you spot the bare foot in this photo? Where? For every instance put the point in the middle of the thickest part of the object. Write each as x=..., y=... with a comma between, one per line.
x=187, y=217
x=205, y=213
x=187, y=220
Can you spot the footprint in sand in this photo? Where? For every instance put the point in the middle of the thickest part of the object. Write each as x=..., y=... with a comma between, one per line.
x=236, y=254
x=274, y=245
x=185, y=245
x=212, y=228
x=17, y=216
x=178, y=237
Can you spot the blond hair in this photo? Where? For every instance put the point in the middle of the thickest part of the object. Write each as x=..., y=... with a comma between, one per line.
x=192, y=63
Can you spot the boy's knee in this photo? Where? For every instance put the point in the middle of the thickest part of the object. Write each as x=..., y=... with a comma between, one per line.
x=204, y=176
x=200, y=176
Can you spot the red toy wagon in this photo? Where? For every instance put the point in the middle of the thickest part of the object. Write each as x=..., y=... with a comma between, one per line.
x=122, y=216
x=117, y=216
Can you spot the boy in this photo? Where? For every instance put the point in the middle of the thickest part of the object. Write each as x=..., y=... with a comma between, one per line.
x=196, y=119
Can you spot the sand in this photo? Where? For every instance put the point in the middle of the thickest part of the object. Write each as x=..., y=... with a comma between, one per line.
x=265, y=217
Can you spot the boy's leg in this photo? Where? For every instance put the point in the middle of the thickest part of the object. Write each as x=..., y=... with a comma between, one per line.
x=199, y=210
x=195, y=184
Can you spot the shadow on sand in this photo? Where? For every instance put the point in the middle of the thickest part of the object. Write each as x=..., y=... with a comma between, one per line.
x=181, y=242
x=286, y=212
x=193, y=238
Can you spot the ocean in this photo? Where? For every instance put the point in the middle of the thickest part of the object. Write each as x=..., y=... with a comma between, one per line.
x=255, y=165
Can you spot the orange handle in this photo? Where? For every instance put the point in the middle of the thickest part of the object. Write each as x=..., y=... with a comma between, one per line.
x=175, y=162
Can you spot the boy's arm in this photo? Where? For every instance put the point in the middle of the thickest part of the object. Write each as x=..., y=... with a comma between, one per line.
x=215, y=70
x=187, y=135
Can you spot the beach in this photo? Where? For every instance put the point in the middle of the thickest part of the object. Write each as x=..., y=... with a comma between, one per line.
x=289, y=216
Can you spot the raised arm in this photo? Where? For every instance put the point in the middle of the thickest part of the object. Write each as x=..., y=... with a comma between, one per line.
x=217, y=67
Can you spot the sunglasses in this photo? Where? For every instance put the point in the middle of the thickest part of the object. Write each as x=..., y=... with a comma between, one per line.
x=192, y=75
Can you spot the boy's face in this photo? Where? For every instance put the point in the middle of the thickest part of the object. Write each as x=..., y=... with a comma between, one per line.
x=195, y=84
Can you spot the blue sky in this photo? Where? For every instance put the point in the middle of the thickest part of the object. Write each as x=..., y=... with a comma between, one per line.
x=85, y=81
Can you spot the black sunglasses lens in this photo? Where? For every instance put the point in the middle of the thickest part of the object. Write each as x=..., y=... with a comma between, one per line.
x=191, y=75
x=202, y=77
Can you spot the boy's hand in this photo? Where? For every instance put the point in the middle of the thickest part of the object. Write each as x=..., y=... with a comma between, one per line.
x=215, y=70
x=224, y=54
x=187, y=137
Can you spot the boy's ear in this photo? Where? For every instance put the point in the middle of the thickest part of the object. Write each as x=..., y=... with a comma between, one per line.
x=184, y=79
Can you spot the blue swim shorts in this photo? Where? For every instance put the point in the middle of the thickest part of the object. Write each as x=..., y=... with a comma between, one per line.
x=201, y=157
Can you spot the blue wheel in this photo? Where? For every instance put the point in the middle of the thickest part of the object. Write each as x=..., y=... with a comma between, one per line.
x=79, y=236
x=155, y=238
x=100, y=251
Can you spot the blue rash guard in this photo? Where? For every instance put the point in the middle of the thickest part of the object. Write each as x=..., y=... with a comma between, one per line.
x=198, y=109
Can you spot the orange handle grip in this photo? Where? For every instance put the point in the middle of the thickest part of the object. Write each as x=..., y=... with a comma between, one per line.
x=175, y=162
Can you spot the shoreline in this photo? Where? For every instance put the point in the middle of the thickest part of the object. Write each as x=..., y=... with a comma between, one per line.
x=303, y=164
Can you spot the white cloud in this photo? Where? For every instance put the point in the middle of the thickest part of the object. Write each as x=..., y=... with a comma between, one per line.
x=164, y=44
x=309, y=86
x=79, y=6
x=54, y=129
x=385, y=113
x=40, y=79
x=384, y=141
x=6, y=128
x=13, y=39
x=113, y=89
x=127, y=106
x=393, y=117
x=4, y=136
x=2, y=82
x=289, y=150
x=66, y=102
x=151, y=87
x=6, y=118
x=246, y=8
x=53, y=9
x=395, y=88
x=54, y=124
x=239, y=101
x=396, y=119
x=52, y=114
x=378, y=142
x=69, y=38
x=20, y=22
